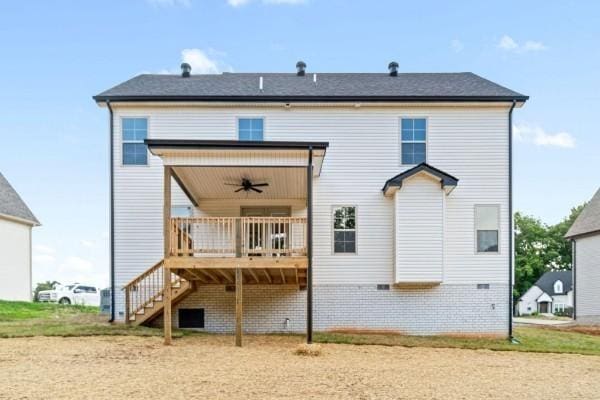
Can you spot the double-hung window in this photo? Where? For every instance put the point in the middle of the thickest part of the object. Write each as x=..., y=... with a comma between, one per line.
x=250, y=129
x=487, y=227
x=135, y=151
x=344, y=229
x=414, y=140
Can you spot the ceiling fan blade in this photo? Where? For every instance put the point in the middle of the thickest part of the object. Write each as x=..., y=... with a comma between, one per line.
x=239, y=190
x=256, y=190
x=261, y=184
x=232, y=184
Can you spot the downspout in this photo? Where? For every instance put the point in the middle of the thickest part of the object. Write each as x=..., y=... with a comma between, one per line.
x=112, y=216
x=510, y=223
x=574, y=273
x=309, y=247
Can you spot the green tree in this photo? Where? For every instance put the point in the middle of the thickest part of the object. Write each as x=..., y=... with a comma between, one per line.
x=540, y=248
x=44, y=286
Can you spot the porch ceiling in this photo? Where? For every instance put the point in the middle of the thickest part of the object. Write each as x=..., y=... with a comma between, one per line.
x=210, y=182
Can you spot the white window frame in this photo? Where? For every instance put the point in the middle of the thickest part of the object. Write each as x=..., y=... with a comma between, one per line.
x=333, y=230
x=562, y=287
x=475, y=230
x=557, y=306
x=123, y=141
x=237, y=125
x=401, y=142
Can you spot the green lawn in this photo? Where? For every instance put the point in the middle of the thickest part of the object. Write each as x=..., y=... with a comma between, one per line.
x=21, y=319
x=535, y=339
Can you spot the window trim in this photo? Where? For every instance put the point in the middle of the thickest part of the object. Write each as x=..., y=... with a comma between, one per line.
x=493, y=253
x=562, y=287
x=426, y=118
x=122, y=141
x=253, y=116
x=332, y=225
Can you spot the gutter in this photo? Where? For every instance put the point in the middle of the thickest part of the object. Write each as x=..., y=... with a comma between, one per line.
x=510, y=224
x=112, y=216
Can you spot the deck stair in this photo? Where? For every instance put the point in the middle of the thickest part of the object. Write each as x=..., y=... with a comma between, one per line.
x=144, y=294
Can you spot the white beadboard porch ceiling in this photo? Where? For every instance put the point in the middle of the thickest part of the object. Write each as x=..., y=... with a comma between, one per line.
x=209, y=182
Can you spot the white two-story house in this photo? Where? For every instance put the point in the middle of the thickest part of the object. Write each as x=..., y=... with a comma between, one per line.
x=292, y=202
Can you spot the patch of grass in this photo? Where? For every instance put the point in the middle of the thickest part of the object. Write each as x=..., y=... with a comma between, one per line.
x=532, y=339
x=311, y=350
x=23, y=319
x=22, y=310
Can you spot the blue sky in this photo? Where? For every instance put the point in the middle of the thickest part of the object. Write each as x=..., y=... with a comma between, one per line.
x=56, y=55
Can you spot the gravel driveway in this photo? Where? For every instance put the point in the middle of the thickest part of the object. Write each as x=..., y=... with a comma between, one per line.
x=212, y=368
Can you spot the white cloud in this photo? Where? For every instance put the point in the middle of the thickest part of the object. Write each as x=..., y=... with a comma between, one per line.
x=169, y=3
x=201, y=61
x=41, y=248
x=507, y=43
x=239, y=3
x=539, y=137
x=43, y=259
x=86, y=243
x=457, y=45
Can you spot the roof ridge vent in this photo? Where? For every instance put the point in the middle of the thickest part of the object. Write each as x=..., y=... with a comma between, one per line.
x=393, y=68
x=300, y=68
x=186, y=70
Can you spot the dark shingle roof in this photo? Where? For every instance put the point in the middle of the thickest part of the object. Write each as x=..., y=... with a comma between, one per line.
x=12, y=205
x=463, y=86
x=589, y=219
x=546, y=281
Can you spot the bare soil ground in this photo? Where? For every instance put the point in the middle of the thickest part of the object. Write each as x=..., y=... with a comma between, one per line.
x=210, y=367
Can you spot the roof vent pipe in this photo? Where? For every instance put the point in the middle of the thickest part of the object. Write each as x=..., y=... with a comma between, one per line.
x=260, y=83
x=393, y=68
x=186, y=70
x=300, y=68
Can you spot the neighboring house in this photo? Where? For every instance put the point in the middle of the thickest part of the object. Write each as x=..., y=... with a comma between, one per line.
x=585, y=237
x=552, y=293
x=339, y=200
x=16, y=221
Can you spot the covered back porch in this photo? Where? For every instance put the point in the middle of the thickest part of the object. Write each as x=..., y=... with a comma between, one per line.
x=250, y=223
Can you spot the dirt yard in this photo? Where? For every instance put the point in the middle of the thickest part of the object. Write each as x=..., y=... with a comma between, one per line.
x=212, y=368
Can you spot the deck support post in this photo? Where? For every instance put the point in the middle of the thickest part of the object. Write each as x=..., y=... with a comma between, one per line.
x=167, y=244
x=309, y=227
x=238, y=307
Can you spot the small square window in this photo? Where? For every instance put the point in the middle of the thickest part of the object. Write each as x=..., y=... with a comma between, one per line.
x=250, y=129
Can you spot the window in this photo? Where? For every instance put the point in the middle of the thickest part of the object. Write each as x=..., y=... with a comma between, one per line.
x=414, y=139
x=558, y=287
x=135, y=151
x=250, y=129
x=559, y=308
x=344, y=230
x=487, y=220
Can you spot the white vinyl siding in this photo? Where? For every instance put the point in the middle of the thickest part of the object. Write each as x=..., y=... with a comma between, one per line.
x=419, y=237
x=587, y=280
x=15, y=262
x=470, y=143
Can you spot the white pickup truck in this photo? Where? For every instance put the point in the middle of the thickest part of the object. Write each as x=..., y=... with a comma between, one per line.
x=72, y=294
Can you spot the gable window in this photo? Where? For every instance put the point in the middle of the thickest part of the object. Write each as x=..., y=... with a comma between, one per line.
x=414, y=140
x=558, y=287
x=250, y=129
x=135, y=151
x=487, y=226
x=344, y=229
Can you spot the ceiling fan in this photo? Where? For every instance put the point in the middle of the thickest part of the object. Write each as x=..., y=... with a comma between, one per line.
x=246, y=185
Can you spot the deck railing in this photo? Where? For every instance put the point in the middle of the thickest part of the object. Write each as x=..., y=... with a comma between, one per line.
x=238, y=236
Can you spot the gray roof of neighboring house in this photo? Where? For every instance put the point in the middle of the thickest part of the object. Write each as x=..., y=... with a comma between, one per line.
x=12, y=205
x=589, y=219
x=546, y=281
x=461, y=86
